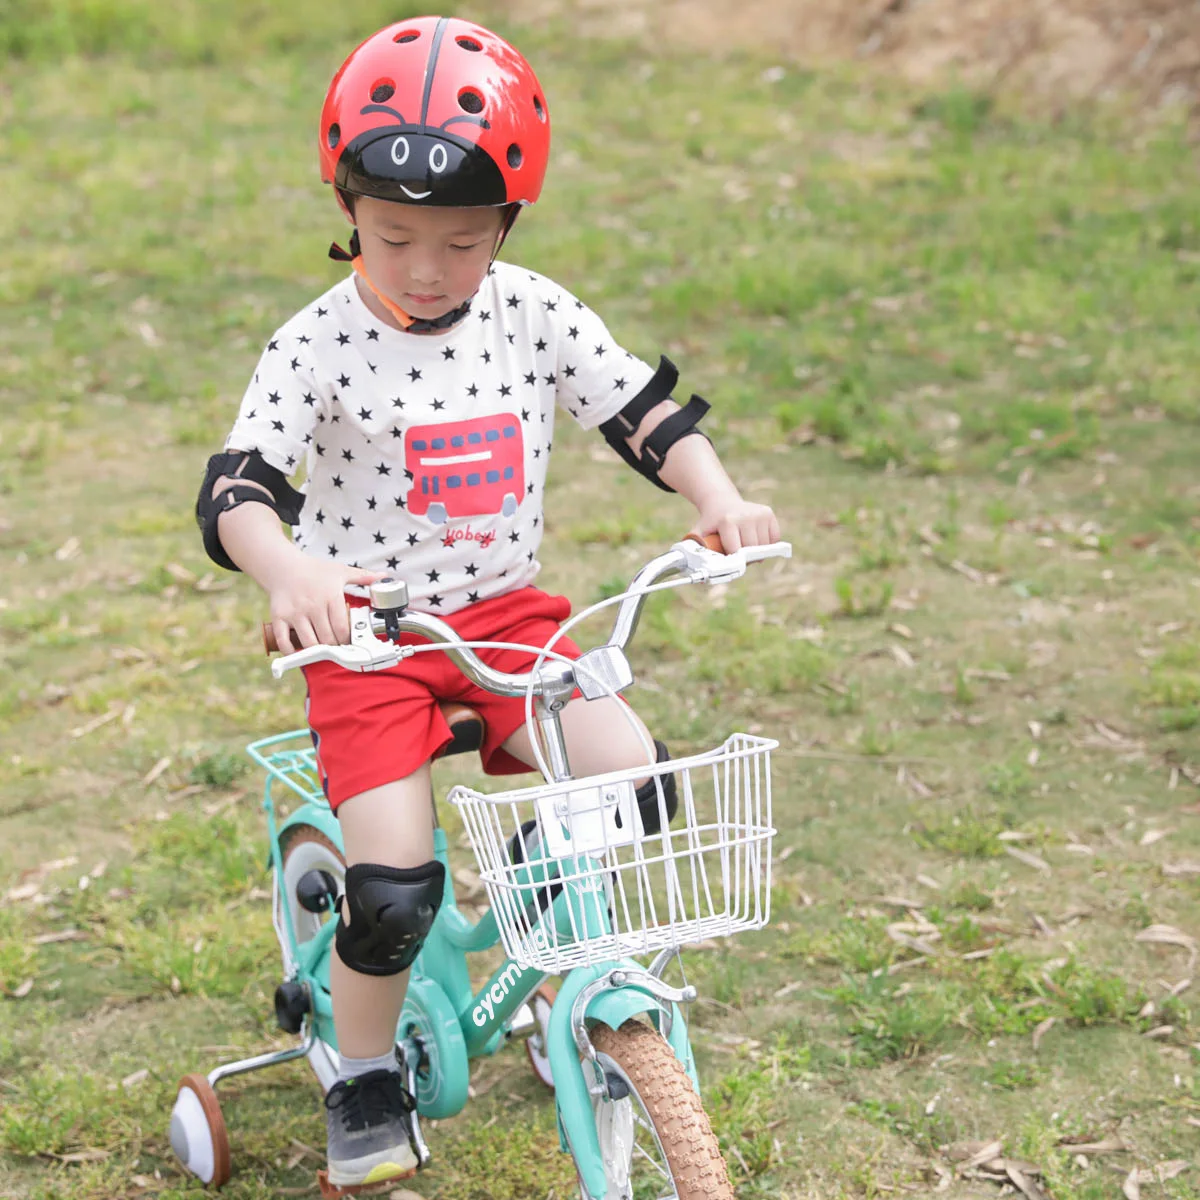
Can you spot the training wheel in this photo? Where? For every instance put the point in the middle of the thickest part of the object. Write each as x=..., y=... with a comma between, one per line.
x=198, y=1134
x=537, y=1044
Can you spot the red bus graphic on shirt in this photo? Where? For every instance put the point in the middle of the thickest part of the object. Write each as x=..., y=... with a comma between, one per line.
x=472, y=468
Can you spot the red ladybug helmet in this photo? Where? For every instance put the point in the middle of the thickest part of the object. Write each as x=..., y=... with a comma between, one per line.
x=437, y=111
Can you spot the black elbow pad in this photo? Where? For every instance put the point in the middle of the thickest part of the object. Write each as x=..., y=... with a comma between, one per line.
x=250, y=465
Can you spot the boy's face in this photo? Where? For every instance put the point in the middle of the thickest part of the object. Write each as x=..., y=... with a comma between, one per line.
x=426, y=260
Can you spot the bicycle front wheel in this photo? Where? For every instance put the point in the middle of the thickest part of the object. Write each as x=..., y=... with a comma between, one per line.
x=655, y=1137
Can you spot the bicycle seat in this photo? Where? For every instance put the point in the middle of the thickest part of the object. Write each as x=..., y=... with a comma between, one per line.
x=465, y=724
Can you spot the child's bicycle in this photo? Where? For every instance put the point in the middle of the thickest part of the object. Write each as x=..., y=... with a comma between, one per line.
x=580, y=876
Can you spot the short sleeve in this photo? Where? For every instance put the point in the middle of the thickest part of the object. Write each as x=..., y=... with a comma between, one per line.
x=596, y=377
x=280, y=408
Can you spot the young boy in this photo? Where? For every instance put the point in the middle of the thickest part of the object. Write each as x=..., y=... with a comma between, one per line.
x=420, y=395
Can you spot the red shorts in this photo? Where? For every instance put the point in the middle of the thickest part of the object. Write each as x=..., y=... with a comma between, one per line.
x=371, y=728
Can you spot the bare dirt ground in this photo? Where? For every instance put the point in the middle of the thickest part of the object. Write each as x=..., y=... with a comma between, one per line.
x=1049, y=50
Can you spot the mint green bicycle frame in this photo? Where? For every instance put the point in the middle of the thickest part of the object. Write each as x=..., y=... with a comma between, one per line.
x=453, y=1023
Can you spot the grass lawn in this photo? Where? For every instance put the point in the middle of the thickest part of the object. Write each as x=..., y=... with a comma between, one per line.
x=952, y=345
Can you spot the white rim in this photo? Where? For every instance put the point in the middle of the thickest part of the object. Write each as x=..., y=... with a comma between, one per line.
x=200, y=1157
x=538, y=1041
x=618, y=1126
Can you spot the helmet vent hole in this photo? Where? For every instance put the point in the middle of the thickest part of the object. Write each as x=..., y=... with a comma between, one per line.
x=407, y=36
x=469, y=44
x=334, y=135
x=470, y=101
x=515, y=157
x=383, y=91
x=539, y=108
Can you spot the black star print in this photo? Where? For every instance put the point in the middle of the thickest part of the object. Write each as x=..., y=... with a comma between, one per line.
x=535, y=521
x=348, y=455
x=343, y=338
x=400, y=502
x=397, y=402
x=529, y=555
x=433, y=576
x=529, y=489
x=309, y=399
x=379, y=539
x=514, y=537
x=383, y=469
x=295, y=364
x=573, y=332
x=513, y=302
x=414, y=374
x=583, y=401
x=436, y=601
x=272, y=345
x=438, y=405
x=510, y=337
x=537, y=452
x=303, y=339
x=413, y=539
x=337, y=481
x=472, y=390
x=472, y=597
x=619, y=384
x=550, y=380
x=471, y=569
x=408, y=475
x=540, y=344
x=308, y=439
x=372, y=503
x=578, y=303
x=322, y=312
x=486, y=356
x=505, y=390
x=277, y=426
x=485, y=315
x=393, y=563
x=531, y=379
x=551, y=305
x=364, y=414
x=320, y=517
x=448, y=353
x=524, y=414
x=291, y=460
x=600, y=351
x=344, y=380
x=252, y=414
x=372, y=335
x=273, y=398
x=320, y=450
x=397, y=432
x=543, y=418
x=373, y=367
x=347, y=523
x=569, y=371
x=332, y=550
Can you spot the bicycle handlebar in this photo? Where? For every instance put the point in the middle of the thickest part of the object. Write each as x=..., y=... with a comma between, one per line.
x=701, y=562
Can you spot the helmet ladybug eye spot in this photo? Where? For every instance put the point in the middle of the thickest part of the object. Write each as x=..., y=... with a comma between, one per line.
x=469, y=44
x=515, y=157
x=438, y=159
x=408, y=36
x=539, y=108
x=333, y=135
x=382, y=91
x=400, y=151
x=470, y=101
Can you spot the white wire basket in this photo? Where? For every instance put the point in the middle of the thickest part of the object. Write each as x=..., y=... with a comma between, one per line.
x=581, y=872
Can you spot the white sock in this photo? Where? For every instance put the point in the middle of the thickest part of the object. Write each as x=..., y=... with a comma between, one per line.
x=352, y=1068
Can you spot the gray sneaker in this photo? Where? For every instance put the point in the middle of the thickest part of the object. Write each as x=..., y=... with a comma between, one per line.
x=370, y=1130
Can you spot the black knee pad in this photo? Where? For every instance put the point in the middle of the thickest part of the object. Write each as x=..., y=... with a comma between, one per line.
x=392, y=910
x=647, y=796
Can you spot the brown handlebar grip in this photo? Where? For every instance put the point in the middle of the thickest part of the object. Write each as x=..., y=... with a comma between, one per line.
x=711, y=541
x=269, y=642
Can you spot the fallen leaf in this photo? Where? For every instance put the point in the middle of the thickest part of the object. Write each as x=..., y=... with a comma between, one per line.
x=1104, y=1146
x=1026, y=1185
x=63, y=935
x=1154, y=835
x=22, y=990
x=156, y=770
x=1030, y=860
x=982, y=1152
x=1159, y=1031
x=1161, y=1172
x=1168, y=935
x=1130, y=1189
x=136, y=1078
x=1042, y=1029
x=1181, y=868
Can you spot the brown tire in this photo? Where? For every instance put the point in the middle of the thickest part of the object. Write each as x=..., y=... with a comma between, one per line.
x=660, y=1087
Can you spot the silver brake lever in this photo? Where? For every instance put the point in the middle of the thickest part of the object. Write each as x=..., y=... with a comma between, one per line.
x=364, y=653
x=703, y=565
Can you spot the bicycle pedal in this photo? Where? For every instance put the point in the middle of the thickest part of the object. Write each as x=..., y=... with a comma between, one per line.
x=332, y=1191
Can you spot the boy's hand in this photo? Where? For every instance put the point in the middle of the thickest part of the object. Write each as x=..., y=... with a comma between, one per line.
x=739, y=523
x=308, y=596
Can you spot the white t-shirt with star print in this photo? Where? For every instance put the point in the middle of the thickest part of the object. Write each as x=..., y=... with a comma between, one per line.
x=426, y=454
